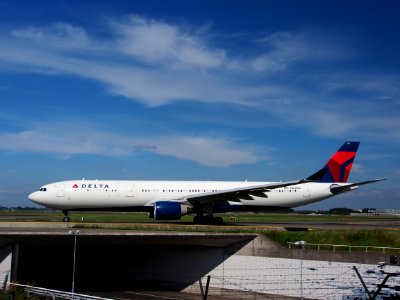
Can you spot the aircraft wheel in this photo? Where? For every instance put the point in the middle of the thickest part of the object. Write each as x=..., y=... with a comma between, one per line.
x=218, y=221
x=66, y=219
x=206, y=220
x=197, y=219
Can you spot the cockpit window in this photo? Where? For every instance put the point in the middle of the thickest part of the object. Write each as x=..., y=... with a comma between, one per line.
x=42, y=190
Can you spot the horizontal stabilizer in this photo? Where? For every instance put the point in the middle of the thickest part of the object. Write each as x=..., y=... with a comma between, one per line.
x=338, y=189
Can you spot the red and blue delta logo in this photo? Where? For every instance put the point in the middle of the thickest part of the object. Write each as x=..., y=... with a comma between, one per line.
x=91, y=186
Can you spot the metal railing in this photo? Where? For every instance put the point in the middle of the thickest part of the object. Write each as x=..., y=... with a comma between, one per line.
x=54, y=294
x=349, y=247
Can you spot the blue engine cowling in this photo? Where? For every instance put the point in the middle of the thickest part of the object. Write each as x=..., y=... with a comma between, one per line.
x=169, y=210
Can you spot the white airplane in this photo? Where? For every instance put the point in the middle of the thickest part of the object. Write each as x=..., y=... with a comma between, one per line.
x=169, y=200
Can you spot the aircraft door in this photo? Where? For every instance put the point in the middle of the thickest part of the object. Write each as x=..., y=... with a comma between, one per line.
x=130, y=190
x=306, y=191
x=61, y=191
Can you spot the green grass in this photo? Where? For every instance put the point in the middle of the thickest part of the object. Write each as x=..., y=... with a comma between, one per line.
x=293, y=217
x=19, y=294
x=120, y=217
x=380, y=238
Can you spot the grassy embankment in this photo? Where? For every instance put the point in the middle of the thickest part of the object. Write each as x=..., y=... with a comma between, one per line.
x=137, y=221
x=375, y=238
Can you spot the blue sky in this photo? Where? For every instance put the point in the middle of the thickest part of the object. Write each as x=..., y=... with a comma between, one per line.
x=198, y=90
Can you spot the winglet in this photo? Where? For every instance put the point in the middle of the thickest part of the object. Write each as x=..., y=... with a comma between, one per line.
x=338, y=167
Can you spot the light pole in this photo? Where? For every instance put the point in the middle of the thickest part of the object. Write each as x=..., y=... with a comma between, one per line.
x=75, y=234
x=300, y=245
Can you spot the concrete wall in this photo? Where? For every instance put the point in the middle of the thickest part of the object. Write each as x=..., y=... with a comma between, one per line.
x=5, y=264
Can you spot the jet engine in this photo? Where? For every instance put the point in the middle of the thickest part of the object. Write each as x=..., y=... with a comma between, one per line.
x=169, y=210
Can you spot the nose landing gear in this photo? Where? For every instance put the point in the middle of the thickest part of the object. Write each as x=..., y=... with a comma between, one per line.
x=66, y=217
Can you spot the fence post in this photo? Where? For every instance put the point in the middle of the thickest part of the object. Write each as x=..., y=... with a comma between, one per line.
x=201, y=289
x=207, y=284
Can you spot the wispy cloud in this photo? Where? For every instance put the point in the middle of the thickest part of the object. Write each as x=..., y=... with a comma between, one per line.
x=225, y=151
x=282, y=49
x=158, y=63
x=157, y=42
x=141, y=54
x=144, y=60
x=61, y=36
x=66, y=140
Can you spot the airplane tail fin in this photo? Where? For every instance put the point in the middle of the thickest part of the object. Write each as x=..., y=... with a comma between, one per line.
x=338, y=167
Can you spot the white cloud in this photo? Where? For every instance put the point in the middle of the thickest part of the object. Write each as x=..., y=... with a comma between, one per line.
x=152, y=61
x=157, y=42
x=158, y=63
x=152, y=85
x=60, y=35
x=65, y=140
x=209, y=151
x=285, y=48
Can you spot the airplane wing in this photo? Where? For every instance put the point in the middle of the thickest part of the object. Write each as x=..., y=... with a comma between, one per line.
x=236, y=194
x=338, y=189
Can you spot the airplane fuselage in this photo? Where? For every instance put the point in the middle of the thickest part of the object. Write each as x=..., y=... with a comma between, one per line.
x=141, y=195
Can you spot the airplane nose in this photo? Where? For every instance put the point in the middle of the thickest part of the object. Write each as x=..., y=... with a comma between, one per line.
x=33, y=197
x=39, y=198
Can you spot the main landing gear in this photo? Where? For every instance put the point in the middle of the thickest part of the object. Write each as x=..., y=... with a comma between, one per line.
x=66, y=217
x=209, y=218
